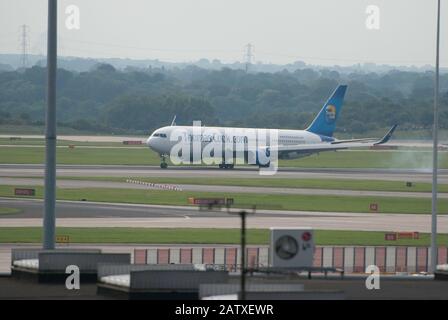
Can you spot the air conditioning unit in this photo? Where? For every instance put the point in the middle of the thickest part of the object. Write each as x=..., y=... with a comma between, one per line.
x=291, y=247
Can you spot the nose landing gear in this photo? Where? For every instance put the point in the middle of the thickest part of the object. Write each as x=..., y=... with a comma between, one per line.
x=225, y=166
x=163, y=164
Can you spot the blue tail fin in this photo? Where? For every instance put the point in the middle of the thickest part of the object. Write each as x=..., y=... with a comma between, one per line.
x=325, y=122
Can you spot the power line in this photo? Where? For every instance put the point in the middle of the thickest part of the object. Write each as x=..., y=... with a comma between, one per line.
x=115, y=45
x=352, y=60
x=246, y=57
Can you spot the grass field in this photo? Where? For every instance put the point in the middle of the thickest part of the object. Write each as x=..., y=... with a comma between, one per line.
x=201, y=236
x=273, y=181
x=17, y=129
x=247, y=200
x=8, y=211
x=41, y=142
x=134, y=156
x=144, y=156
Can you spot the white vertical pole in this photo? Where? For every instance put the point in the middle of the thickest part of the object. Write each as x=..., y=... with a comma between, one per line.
x=50, y=130
x=435, y=152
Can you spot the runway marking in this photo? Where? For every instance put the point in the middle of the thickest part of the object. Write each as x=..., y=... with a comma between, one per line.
x=159, y=186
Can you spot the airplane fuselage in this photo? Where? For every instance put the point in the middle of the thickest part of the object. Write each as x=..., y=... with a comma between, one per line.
x=164, y=139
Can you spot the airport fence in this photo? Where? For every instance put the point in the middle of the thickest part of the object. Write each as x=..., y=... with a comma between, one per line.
x=352, y=259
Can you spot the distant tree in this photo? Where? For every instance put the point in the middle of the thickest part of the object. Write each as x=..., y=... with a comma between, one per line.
x=105, y=67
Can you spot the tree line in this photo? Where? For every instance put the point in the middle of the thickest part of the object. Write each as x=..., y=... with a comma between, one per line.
x=136, y=101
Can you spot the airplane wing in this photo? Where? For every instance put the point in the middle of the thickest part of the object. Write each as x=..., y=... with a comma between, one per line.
x=335, y=145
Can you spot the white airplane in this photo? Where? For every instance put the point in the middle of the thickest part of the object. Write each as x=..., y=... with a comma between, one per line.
x=289, y=144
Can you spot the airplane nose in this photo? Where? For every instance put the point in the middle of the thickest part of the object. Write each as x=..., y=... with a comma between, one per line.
x=150, y=142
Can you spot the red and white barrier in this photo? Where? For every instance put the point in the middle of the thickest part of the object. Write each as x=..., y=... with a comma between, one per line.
x=389, y=259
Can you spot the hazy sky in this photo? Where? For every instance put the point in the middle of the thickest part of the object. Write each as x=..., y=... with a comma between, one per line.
x=282, y=31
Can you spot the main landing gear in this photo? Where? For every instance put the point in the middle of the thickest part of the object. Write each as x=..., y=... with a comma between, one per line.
x=225, y=166
x=163, y=164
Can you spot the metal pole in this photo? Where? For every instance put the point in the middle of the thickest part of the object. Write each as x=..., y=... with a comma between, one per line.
x=435, y=152
x=243, y=255
x=50, y=129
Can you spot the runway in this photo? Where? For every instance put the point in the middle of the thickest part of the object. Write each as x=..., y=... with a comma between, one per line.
x=90, y=214
x=26, y=170
x=61, y=183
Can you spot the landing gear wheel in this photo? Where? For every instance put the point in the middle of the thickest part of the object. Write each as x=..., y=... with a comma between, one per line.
x=226, y=166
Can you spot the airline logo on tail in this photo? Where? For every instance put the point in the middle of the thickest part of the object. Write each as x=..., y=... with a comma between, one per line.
x=330, y=113
x=325, y=122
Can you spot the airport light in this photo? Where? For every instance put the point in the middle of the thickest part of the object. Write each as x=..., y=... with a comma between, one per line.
x=435, y=152
x=50, y=130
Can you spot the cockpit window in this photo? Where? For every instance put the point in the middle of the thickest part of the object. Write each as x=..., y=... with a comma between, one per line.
x=161, y=135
